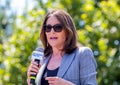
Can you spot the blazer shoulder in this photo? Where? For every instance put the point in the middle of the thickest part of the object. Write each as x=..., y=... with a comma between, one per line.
x=85, y=53
x=84, y=50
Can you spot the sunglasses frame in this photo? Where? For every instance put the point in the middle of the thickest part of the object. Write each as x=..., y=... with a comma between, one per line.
x=56, y=28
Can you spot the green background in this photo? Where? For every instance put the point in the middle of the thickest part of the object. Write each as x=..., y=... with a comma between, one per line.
x=98, y=27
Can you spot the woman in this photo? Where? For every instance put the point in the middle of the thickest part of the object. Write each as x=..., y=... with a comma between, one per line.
x=64, y=63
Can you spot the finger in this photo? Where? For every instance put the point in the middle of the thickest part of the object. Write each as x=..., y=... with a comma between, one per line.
x=34, y=63
x=33, y=69
x=52, y=78
x=40, y=63
x=30, y=73
x=28, y=81
x=51, y=82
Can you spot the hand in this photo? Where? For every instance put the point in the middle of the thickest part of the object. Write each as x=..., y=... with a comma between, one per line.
x=58, y=81
x=32, y=70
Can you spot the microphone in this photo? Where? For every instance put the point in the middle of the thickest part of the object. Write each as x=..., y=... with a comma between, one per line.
x=37, y=55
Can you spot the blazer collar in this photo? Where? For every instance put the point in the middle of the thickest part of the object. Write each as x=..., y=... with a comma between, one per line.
x=42, y=68
x=65, y=64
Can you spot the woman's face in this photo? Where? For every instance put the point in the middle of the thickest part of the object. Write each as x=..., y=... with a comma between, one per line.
x=55, y=39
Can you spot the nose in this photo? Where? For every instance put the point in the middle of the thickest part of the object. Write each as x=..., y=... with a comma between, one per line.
x=52, y=30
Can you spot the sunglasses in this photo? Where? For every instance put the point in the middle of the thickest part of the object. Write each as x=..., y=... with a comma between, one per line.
x=56, y=28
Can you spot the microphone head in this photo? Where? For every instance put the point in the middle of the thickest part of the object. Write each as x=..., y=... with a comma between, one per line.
x=38, y=54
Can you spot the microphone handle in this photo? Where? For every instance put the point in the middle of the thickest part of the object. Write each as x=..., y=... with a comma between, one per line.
x=32, y=77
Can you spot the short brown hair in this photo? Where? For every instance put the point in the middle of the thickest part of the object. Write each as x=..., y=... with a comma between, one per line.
x=70, y=30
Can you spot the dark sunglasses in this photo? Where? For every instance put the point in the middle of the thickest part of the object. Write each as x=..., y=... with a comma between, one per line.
x=56, y=27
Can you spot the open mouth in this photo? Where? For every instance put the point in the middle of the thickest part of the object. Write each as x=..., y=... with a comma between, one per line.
x=53, y=38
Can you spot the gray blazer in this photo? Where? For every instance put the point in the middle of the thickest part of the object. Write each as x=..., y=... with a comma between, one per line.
x=78, y=67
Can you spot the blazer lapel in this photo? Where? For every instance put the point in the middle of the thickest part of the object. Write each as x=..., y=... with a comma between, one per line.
x=42, y=68
x=66, y=62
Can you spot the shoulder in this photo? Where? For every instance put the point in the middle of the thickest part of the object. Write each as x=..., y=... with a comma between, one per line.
x=83, y=53
x=84, y=50
x=85, y=56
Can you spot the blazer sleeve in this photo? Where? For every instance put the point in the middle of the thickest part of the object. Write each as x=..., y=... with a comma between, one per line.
x=87, y=67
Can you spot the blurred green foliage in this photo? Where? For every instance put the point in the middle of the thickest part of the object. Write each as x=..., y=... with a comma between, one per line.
x=98, y=26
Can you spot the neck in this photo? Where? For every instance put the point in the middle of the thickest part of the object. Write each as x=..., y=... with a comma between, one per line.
x=57, y=52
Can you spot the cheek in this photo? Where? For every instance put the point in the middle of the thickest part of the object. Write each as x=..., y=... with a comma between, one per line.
x=47, y=34
x=63, y=37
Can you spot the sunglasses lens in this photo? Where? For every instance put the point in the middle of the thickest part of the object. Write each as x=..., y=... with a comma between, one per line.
x=57, y=28
x=47, y=28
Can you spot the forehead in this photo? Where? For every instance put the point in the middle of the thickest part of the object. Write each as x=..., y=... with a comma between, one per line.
x=52, y=20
